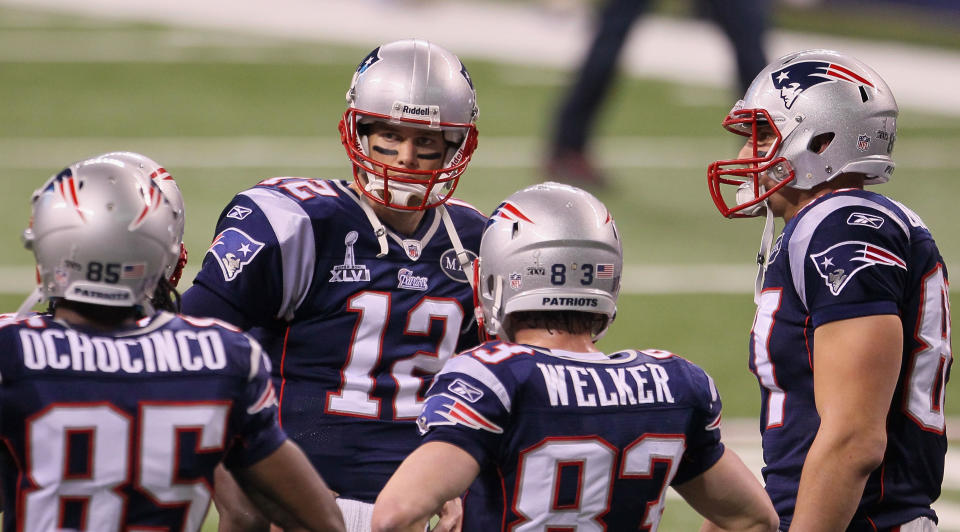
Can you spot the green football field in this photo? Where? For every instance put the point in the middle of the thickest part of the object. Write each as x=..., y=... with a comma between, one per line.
x=222, y=110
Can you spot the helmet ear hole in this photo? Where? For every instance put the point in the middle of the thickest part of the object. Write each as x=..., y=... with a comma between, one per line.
x=488, y=286
x=820, y=142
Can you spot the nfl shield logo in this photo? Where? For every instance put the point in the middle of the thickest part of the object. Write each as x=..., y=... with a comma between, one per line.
x=412, y=248
x=516, y=281
x=863, y=142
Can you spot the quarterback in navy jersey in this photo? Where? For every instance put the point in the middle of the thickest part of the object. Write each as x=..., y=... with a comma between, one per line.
x=113, y=416
x=360, y=290
x=548, y=432
x=851, y=339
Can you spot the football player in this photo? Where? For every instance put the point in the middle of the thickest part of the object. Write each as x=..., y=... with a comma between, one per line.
x=359, y=290
x=558, y=435
x=851, y=339
x=115, y=420
x=165, y=297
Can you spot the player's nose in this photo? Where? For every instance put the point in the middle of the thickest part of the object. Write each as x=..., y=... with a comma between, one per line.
x=407, y=155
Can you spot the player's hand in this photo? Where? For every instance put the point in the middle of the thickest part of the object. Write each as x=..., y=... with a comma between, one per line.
x=451, y=517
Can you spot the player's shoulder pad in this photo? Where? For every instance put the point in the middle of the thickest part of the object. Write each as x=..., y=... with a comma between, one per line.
x=497, y=352
x=242, y=350
x=851, y=212
x=458, y=205
x=847, y=231
x=275, y=197
x=490, y=366
x=678, y=367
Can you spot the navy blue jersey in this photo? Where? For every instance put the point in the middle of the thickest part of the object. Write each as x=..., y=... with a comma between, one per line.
x=122, y=430
x=848, y=254
x=354, y=337
x=565, y=441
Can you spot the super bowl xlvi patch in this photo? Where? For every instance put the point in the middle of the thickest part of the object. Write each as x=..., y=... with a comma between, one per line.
x=840, y=262
x=407, y=280
x=468, y=392
x=349, y=271
x=861, y=219
x=443, y=409
x=451, y=266
x=233, y=250
x=239, y=212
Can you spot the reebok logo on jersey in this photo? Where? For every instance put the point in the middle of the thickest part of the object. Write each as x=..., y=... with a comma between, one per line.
x=233, y=250
x=443, y=409
x=461, y=388
x=861, y=219
x=238, y=212
x=840, y=262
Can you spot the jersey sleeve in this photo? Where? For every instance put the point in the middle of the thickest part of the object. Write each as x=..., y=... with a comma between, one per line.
x=467, y=406
x=855, y=264
x=257, y=430
x=704, y=447
x=261, y=260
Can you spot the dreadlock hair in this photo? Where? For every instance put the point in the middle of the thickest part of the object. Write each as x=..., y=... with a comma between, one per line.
x=166, y=297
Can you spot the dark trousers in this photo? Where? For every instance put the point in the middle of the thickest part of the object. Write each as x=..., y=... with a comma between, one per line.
x=743, y=21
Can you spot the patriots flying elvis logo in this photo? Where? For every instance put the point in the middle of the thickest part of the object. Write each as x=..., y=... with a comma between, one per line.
x=443, y=409
x=233, y=250
x=795, y=78
x=371, y=58
x=838, y=264
x=507, y=211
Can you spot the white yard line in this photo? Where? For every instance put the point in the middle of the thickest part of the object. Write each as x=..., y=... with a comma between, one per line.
x=528, y=33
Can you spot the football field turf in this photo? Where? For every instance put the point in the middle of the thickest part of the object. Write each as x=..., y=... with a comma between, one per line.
x=222, y=110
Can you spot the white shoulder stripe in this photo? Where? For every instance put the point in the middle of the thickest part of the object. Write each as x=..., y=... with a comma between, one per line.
x=802, y=234
x=476, y=369
x=294, y=231
x=256, y=353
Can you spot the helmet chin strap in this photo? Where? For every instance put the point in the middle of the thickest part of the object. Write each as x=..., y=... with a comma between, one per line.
x=766, y=241
x=35, y=297
x=400, y=193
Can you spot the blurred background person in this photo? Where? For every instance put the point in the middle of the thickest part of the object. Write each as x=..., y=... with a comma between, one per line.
x=743, y=21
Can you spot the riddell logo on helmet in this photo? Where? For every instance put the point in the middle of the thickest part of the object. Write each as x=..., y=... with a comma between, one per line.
x=569, y=301
x=406, y=110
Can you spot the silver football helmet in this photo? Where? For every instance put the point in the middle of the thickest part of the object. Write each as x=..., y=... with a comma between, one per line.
x=103, y=233
x=171, y=191
x=410, y=83
x=548, y=247
x=830, y=113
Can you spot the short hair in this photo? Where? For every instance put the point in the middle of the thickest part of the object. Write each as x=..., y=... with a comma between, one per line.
x=568, y=321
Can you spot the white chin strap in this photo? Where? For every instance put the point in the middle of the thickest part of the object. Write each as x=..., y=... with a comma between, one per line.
x=400, y=193
x=36, y=297
x=766, y=241
x=745, y=194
